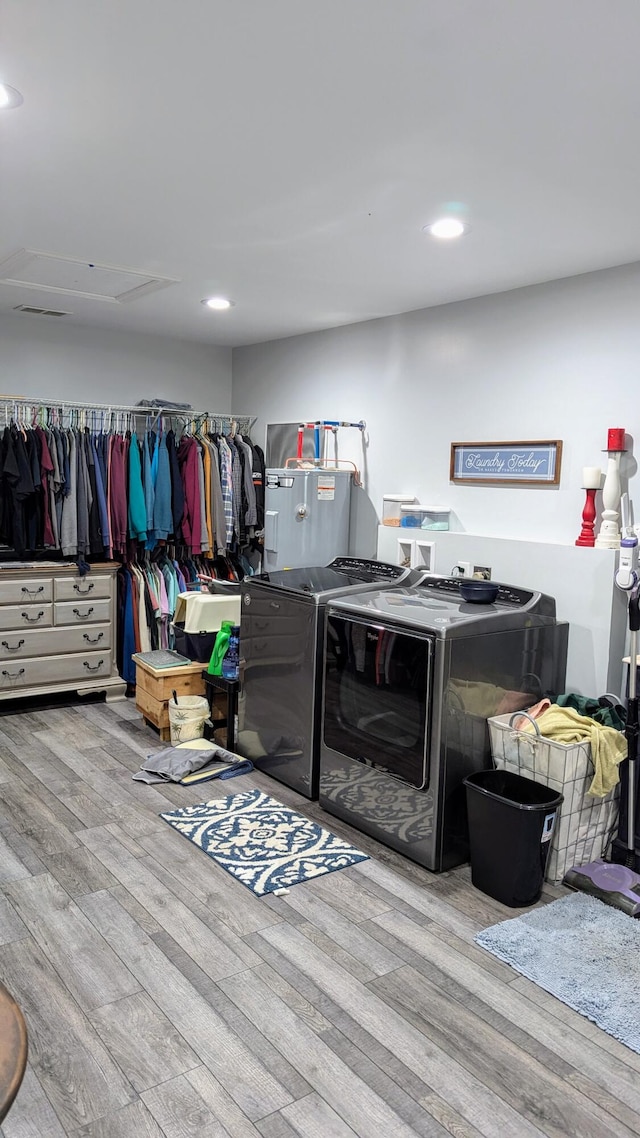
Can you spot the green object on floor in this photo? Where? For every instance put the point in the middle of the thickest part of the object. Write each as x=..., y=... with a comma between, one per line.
x=219, y=648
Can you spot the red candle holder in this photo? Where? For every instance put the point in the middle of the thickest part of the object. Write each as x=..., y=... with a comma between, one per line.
x=587, y=534
x=615, y=439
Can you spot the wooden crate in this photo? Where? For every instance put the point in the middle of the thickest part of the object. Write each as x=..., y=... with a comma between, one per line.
x=155, y=712
x=154, y=689
x=160, y=684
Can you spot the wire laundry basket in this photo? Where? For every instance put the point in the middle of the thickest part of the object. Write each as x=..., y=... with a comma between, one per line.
x=586, y=825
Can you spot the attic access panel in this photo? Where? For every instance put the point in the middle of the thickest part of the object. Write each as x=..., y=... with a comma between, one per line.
x=50, y=273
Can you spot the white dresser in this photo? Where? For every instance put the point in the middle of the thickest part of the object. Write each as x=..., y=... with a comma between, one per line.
x=58, y=630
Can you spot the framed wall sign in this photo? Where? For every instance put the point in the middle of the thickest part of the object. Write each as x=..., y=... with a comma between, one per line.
x=507, y=464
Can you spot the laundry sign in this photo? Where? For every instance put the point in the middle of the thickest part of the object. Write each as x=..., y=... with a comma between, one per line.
x=512, y=464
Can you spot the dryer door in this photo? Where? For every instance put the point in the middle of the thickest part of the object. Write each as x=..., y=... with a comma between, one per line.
x=377, y=697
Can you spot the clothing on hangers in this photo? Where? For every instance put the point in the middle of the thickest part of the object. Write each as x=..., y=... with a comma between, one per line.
x=90, y=485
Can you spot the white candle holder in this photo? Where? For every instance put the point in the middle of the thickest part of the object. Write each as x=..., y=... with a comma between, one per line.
x=609, y=535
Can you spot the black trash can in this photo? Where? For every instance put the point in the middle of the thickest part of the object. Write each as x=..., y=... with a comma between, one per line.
x=511, y=823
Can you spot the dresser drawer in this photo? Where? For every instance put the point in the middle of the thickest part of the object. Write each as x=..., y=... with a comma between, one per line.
x=17, y=674
x=78, y=588
x=53, y=641
x=25, y=592
x=25, y=616
x=82, y=612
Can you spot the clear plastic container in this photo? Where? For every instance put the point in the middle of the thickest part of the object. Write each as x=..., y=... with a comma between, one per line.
x=435, y=517
x=411, y=516
x=424, y=517
x=392, y=508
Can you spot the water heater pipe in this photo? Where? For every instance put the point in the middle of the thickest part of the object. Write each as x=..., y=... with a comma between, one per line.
x=324, y=424
x=328, y=464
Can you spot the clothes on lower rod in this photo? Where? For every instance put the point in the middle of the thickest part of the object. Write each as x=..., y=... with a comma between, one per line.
x=148, y=590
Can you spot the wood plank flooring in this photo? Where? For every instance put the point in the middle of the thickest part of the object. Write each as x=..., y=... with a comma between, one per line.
x=163, y=999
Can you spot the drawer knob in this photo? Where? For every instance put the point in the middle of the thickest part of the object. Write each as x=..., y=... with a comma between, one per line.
x=92, y=639
x=32, y=619
x=88, y=587
x=93, y=667
x=33, y=592
x=13, y=675
x=12, y=647
x=82, y=615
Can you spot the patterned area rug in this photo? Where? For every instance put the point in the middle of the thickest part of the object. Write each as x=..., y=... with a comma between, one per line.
x=261, y=842
x=585, y=953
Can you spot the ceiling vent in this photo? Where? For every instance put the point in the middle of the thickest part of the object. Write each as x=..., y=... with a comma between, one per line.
x=50, y=273
x=40, y=311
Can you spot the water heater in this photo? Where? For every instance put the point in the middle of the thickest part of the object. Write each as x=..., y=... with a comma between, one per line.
x=306, y=517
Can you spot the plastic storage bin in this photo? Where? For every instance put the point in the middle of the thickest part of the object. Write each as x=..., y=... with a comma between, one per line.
x=424, y=517
x=196, y=646
x=205, y=612
x=436, y=517
x=392, y=508
x=198, y=619
x=412, y=515
x=511, y=823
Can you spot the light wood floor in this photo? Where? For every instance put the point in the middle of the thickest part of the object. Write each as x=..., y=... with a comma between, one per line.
x=163, y=998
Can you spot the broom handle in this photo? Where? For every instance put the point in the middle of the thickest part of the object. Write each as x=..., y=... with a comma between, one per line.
x=632, y=722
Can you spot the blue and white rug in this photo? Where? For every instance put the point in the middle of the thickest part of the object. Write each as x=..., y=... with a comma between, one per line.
x=261, y=842
x=582, y=951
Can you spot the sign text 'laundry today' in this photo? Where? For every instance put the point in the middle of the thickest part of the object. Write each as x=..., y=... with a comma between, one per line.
x=519, y=463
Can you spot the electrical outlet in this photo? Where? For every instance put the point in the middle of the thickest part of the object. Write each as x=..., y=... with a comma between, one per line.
x=461, y=569
x=482, y=572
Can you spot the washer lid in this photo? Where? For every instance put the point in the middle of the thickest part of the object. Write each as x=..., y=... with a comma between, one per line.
x=442, y=611
x=342, y=573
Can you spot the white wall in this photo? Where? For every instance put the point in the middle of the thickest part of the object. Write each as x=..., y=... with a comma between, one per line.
x=43, y=359
x=555, y=361
x=581, y=580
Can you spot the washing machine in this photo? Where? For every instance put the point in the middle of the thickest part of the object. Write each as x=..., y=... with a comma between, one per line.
x=281, y=638
x=410, y=678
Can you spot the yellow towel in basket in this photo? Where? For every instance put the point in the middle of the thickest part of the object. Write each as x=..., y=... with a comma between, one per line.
x=608, y=747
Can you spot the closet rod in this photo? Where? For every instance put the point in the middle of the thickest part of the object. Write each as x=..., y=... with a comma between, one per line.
x=177, y=412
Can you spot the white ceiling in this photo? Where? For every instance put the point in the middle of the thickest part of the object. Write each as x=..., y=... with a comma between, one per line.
x=287, y=153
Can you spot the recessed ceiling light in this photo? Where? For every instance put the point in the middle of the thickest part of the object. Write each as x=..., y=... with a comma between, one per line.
x=446, y=228
x=218, y=303
x=9, y=97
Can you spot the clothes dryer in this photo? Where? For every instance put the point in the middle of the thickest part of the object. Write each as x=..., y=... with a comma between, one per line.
x=281, y=638
x=410, y=678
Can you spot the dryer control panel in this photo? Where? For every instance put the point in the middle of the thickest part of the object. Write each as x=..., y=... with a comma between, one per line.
x=508, y=595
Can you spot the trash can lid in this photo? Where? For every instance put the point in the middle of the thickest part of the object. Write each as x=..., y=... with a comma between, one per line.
x=518, y=791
